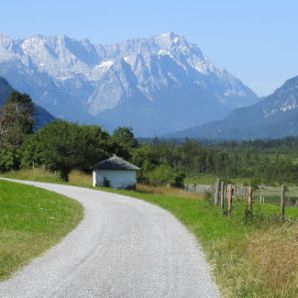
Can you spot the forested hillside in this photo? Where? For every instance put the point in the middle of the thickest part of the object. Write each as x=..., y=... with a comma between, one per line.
x=63, y=146
x=41, y=116
x=276, y=116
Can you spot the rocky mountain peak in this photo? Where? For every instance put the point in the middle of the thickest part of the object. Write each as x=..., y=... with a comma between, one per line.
x=162, y=74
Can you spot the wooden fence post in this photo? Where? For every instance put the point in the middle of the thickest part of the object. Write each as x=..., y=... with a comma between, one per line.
x=282, y=203
x=250, y=199
x=222, y=195
x=216, y=192
x=230, y=199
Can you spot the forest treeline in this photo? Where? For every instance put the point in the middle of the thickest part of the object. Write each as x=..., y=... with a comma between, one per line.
x=63, y=146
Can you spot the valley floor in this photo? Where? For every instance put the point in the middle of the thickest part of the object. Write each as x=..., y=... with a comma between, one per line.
x=249, y=259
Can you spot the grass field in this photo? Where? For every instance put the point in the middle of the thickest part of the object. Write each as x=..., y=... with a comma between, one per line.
x=249, y=259
x=207, y=179
x=31, y=221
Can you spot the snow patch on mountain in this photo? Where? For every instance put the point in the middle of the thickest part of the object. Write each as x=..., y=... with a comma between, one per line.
x=75, y=78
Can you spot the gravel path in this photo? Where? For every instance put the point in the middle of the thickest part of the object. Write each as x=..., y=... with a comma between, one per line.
x=122, y=248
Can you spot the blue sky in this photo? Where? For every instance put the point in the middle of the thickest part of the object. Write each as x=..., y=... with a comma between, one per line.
x=255, y=40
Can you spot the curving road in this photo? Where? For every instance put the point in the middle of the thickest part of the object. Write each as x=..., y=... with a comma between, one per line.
x=122, y=248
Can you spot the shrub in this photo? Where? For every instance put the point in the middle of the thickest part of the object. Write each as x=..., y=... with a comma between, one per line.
x=9, y=160
x=106, y=182
x=131, y=187
x=179, y=180
x=255, y=183
x=161, y=175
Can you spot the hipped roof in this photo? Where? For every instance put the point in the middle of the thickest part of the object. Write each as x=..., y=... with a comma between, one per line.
x=114, y=163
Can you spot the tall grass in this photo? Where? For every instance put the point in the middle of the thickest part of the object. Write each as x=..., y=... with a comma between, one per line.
x=76, y=177
x=79, y=178
x=163, y=190
x=34, y=175
x=273, y=260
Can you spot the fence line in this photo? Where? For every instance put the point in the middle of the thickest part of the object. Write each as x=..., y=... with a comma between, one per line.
x=199, y=188
x=223, y=196
x=243, y=191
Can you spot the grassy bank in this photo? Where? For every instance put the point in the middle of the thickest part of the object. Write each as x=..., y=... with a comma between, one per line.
x=31, y=221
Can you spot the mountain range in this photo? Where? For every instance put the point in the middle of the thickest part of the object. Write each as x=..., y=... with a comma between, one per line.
x=42, y=117
x=275, y=116
x=155, y=85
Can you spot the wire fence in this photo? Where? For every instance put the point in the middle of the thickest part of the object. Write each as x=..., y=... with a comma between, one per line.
x=271, y=195
x=263, y=194
x=257, y=203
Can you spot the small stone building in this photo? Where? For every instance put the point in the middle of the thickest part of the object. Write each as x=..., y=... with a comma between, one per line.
x=114, y=172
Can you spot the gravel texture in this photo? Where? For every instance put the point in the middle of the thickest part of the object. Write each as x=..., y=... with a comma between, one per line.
x=123, y=247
